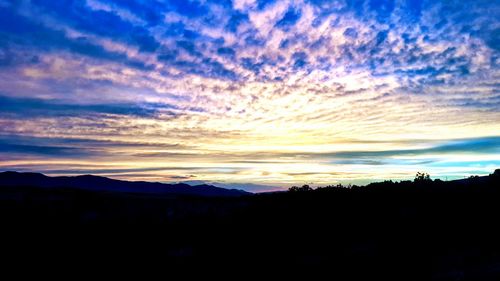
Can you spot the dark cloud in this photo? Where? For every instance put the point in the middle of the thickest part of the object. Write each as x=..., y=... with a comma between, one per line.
x=351, y=32
x=59, y=147
x=14, y=148
x=100, y=171
x=19, y=31
x=226, y=52
x=299, y=59
x=81, y=142
x=29, y=108
x=41, y=150
x=79, y=16
x=486, y=145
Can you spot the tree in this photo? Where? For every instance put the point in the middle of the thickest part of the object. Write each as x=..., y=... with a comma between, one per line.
x=303, y=188
x=422, y=177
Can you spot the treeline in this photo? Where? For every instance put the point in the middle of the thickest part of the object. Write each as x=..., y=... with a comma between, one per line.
x=422, y=179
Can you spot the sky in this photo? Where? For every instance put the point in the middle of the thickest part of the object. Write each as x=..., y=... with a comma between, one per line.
x=258, y=95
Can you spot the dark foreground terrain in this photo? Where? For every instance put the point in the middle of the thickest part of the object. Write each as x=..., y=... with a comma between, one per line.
x=422, y=230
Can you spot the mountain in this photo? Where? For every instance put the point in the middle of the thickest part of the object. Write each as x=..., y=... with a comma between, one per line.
x=96, y=183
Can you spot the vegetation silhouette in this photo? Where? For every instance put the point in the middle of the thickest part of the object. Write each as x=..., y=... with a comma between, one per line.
x=410, y=230
x=303, y=188
x=422, y=177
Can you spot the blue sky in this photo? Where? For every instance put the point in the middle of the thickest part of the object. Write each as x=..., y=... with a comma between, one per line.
x=265, y=94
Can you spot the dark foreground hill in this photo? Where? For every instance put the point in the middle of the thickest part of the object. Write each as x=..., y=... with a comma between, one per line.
x=422, y=230
x=103, y=184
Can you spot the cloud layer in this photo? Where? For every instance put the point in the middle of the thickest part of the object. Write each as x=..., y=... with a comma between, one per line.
x=270, y=93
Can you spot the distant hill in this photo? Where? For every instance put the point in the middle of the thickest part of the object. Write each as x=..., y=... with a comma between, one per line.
x=96, y=183
x=479, y=179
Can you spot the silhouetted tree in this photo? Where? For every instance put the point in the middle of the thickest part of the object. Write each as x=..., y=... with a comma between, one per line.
x=422, y=177
x=303, y=188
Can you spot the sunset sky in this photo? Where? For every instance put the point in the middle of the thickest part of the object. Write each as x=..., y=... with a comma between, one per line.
x=259, y=95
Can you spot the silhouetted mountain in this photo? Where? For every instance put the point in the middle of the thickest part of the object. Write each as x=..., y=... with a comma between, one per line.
x=96, y=183
x=479, y=179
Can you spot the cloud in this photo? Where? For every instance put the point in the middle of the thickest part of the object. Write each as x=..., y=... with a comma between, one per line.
x=22, y=32
x=487, y=145
x=30, y=108
x=77, y=15
x=243, y=4
x=10, y=146
x=41, y=150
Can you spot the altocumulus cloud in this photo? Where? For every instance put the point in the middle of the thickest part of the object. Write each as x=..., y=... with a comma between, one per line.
x=287, y=85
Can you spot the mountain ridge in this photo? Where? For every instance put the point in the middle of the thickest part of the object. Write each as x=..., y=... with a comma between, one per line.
x=99, y=183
